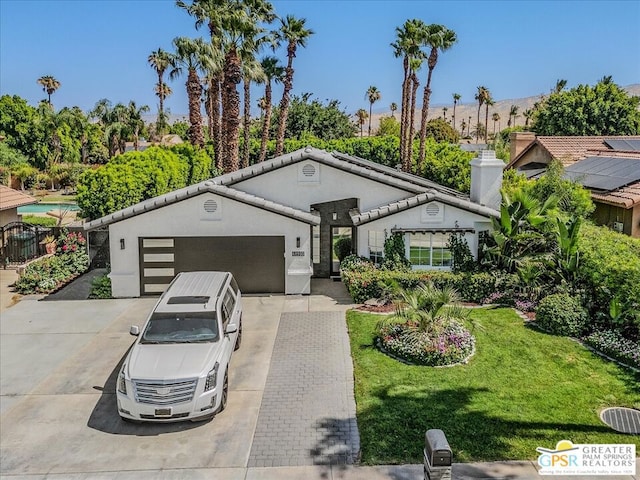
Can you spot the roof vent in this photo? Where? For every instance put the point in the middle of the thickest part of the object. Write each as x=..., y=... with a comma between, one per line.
x=210, y=206
x=432, y=212
x=309, y=172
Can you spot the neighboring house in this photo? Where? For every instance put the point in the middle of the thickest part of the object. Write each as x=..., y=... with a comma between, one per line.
x=607, y=165
x=274, y=224
x=10, y=200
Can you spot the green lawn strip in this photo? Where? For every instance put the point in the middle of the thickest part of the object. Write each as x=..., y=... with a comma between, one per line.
x=522, y=389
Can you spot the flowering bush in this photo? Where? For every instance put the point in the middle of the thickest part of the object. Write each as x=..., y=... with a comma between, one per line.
x=562, y=314
x=613, y=344
x=49, y=273
x=447, y=345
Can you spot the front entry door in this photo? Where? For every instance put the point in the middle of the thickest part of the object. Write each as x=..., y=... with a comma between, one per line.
x=339, y=235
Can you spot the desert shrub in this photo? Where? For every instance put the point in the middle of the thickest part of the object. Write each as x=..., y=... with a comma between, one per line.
x=562, y=314
x=101, y=287
x=613, y=344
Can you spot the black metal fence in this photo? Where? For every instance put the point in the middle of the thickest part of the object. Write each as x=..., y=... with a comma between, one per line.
x=21, y=242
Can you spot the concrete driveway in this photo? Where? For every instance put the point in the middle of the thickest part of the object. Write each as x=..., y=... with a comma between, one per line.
x=58, y=365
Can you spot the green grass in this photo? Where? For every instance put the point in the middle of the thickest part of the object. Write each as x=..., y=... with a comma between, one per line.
x=521, y=390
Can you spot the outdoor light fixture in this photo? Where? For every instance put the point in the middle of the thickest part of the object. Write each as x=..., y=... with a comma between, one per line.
x=122, y=244
x=335, y=216
x=297, y=242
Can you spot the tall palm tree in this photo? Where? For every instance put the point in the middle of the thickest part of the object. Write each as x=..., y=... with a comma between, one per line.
x=160, y=60
x=496, y=118
x=191, y=56
x=456, y=99
x=361, y=116
x=50, y=85
x=436, y=38
x=528, y=115
x=481, y=96
x=560, y=84
x=444, y=112
x=135, y=123
x=463, y=125
x=488, y=102
x=407, y=46
x=373, y=95
x=469, y=127
x=294, y=33
x=274, y=72
x=513, y=112
x=393, y=107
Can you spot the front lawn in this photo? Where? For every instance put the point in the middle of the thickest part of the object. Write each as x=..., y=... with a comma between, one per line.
x=522, y=389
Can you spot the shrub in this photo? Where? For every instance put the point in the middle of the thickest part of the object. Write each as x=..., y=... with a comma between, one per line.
x=100, y=287
x=616, y=346
x=562, y=314
x=40, y=221
x=342, y=247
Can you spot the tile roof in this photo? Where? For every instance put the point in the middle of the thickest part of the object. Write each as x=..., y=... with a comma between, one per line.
x=569, y=149
x=625, y=197
x=223, y=185
x=197, y=189
x=10, y=198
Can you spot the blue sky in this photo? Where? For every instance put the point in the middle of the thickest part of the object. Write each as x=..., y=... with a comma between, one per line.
x=99, y=48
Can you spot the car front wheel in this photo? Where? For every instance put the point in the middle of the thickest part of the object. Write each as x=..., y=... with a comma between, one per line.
x=225, y=393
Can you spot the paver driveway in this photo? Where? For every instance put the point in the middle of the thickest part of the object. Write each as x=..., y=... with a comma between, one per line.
x=58, y=364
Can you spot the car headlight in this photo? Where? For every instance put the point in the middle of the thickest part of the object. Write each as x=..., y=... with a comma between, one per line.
x=122, y=383
x=212, y=378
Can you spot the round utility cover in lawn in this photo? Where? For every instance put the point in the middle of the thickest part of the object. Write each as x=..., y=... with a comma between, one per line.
x=621, y=419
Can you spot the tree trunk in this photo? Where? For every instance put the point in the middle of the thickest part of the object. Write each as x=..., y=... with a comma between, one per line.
x=370, y=108
x=426, y=98
x=415, y=83
x=231, y=111
x=284, y=103
x=486, y=123
x=404, y=112
x=478, y=122
x=247, y=120
x=266, y=123
x=216, y=105
x=194, y=92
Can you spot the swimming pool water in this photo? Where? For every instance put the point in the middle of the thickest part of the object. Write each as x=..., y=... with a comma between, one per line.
x=47, y=207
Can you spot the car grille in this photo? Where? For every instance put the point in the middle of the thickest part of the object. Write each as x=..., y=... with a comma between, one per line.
x=153, y=417
x=168, y=392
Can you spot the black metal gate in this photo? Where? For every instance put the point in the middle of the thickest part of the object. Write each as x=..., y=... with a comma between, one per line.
x=22, y=242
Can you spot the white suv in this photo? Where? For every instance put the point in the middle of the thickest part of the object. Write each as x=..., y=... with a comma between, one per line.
x=177, y=369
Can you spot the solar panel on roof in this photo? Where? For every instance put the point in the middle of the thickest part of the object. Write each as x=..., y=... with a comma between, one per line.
x=604, y=173
x=629, y=145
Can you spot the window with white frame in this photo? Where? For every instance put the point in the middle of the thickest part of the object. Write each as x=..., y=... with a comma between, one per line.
x=429, y=250
x=376, y=246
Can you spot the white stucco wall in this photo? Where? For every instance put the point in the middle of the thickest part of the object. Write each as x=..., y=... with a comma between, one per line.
x=189, y=219
x=452, y=217
x=284, y=186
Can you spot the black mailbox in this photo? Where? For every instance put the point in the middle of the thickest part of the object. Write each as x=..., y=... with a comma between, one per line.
x=436, y=449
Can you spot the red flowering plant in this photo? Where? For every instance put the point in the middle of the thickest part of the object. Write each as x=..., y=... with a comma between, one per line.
x=71, y=242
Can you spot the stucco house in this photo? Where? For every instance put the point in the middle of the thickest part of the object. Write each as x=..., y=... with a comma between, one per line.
x=274, y=224
x=10, y=200
x=606, y=165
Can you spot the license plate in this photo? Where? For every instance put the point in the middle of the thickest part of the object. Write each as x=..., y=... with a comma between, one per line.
x=163, y=412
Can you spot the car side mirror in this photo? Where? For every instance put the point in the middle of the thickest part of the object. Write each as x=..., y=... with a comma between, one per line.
x=231, y=328
x=134, y=330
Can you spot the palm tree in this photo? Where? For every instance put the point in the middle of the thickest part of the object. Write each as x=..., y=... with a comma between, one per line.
x=456, y=99
x=528, y=115
x=274, y=72
x=513, y=112
x=560, y=84
x=373, y=95
x=251, y=72
x=463, y=125
x=444, y=112
x=50, y=85
x=488, y=103
x=114, y=122
x=469, y=127
x=160, y=61
x=393, y=107
x=481, y=96
x=435, y=37
x=407, y=46
x=293, y=32
x=495, y=117
x=361, y=116
x=192, y=56
x=135, y=123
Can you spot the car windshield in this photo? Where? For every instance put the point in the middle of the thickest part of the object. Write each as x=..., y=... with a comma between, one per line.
x=181, y=328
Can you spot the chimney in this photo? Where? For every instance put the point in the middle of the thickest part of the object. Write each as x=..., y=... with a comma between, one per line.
x=486, y=179
x=519, y=141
